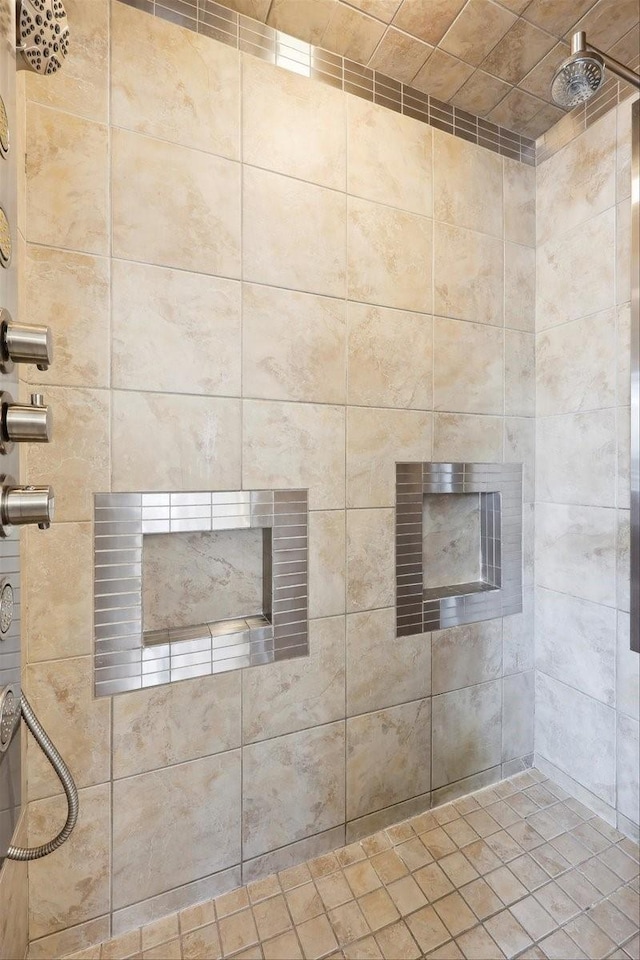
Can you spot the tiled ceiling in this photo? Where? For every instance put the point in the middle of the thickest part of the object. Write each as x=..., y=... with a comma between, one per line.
x=493, y=58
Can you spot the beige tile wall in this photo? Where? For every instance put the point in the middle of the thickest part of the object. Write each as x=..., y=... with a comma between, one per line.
x=587, y=678
x=241, y=269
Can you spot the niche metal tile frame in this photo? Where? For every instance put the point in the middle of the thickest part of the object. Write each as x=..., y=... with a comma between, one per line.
x=127, y=658
x=499, y=591
x=635, y=379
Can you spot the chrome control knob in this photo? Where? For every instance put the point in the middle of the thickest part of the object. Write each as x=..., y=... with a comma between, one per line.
x=24, y=505
x=24, y=422
x=24, y=343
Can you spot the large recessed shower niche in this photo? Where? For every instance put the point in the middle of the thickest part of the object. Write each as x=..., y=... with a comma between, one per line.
x=190, y=584
x=458, y=544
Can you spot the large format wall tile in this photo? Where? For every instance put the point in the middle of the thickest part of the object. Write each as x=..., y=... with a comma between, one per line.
x=462, y=656
x=467, y=185
x=294, y=346
x=370, y=559
x=576, y=643
x=373, y=650
x=627, y=672
x=174, y=206
x=519, y=374
x=575, y=551
x=291, y=695
x=162, y=442
x=628, y=775
x=518, y=696
x=197, y=107
x=164, y=835
x=67, y=173
x=577, y=734
x=293, y=233
x=293, y=126
x=293, y=787
x=468, y=367
x=389, y=157
x=389, y=256
x=467, y=732
x=400, y=740
x=327, y=563
x=468, y=275
x=519, y=447
x=519, y=186
x=174, y=723
x=159, y=340
x=518, y=638
x=519, y=287
x=390, y=358
x=459, y=437
x=295, y=445
x=576, y=459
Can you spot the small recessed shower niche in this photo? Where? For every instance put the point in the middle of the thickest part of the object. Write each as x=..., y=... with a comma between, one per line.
x=191, y=584
x=458, y=544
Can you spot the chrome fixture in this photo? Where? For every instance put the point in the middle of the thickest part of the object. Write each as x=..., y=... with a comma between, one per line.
x=24, y=422
x=22, y=505
x=23, y=343
x=581, y=75
x=4, y=130
x=5, y=240
x=635, y=377
x=42, y=34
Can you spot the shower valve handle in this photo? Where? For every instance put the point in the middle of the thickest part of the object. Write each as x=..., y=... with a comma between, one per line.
x=24, y=343
x=25, y=422
x=25, y=505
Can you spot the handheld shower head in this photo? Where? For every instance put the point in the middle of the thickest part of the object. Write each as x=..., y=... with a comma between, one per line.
x=42, y=34
x=581, y=75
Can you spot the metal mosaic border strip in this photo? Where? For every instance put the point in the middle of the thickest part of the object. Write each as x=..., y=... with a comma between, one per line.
x=251, y=36
x=500, y=487
x=126, y=658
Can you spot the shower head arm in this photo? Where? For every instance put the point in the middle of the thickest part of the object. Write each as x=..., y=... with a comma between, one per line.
x=579, y=45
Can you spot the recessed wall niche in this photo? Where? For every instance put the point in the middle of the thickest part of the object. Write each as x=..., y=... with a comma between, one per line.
x=189, y=584
x=458, y=544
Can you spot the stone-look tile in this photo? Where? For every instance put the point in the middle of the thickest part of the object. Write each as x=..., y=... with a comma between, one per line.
x=468, y=280
x=575, y=551
x=370, y=559
x=623, y=562
x=377, y=821
x=466, y=732
x=400, y=54
x=442, y=75
x=578, y=182
x=82, y=87
x=627, y=775
x=295, y=445
x=327, y=563
x=564, y=289
x=316, y=937
x=576, y=459
x=450, y=539
x=204, y=942
x=149, y=855
x=74, y=886
x=553, y=18
x=467, y=184
x=576, y=643
x=428, y=19
x=518, y=638
x=376, y=440
x=174, y=723
x=476, y=31
x=623, y=152
x=306, y=23
x=518, y=51
x=399, y=738
x=195, y=225
x=293, y=787
x=172, y=442
x=460, y=437
x=69, y=291
x=293, y=233
x=480, y=94
x=237, y=931
x=517, y=715
x=519, y=447
x=481, y=898
x=67, y=199
x=319, y=845
x=201, y=111
x=374, y=651
x=390, y=362
x=14, y=896
x=519, y=287
x=576, y=365
x=351, y=34
x=389, y=256
x=627, y=674
x=63, y=560
x=294, y=346
x=519, y=187
x=184, y=355
x=517, y=110
x=159, y=931
x=292, y=126
x=624, y=266
x=468, y=367
x=577, y=734
x=78, y=724
x=294, y=694
x=76, y=461
x=462, y=656
x=82, y=936
x=390, y=157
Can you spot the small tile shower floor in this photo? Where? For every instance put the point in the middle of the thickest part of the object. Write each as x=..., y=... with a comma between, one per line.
x=520, y=869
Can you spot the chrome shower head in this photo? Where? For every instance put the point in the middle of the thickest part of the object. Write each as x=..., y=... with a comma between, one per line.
x=577, y=79
x=42, y=34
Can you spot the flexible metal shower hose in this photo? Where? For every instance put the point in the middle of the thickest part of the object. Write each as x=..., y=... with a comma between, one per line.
x=45, y=743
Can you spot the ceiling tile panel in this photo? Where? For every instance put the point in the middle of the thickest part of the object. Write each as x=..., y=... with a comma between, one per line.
x=608, y=21
x=352, y=34
x=400, y=55
x=384, y=10
x=518, y=52
x=481, y=93
x=538, y=80
x=442, y=75
x=307, y=21
x=428, y=19
x=477, y=29
x=556, y=16
x=517, y=108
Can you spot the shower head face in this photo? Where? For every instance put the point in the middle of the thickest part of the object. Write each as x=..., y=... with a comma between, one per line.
x=42, y=34
x=577, y=79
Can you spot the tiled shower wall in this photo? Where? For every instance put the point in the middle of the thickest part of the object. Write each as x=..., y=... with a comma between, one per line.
x=587, y=678
x=255, y=280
